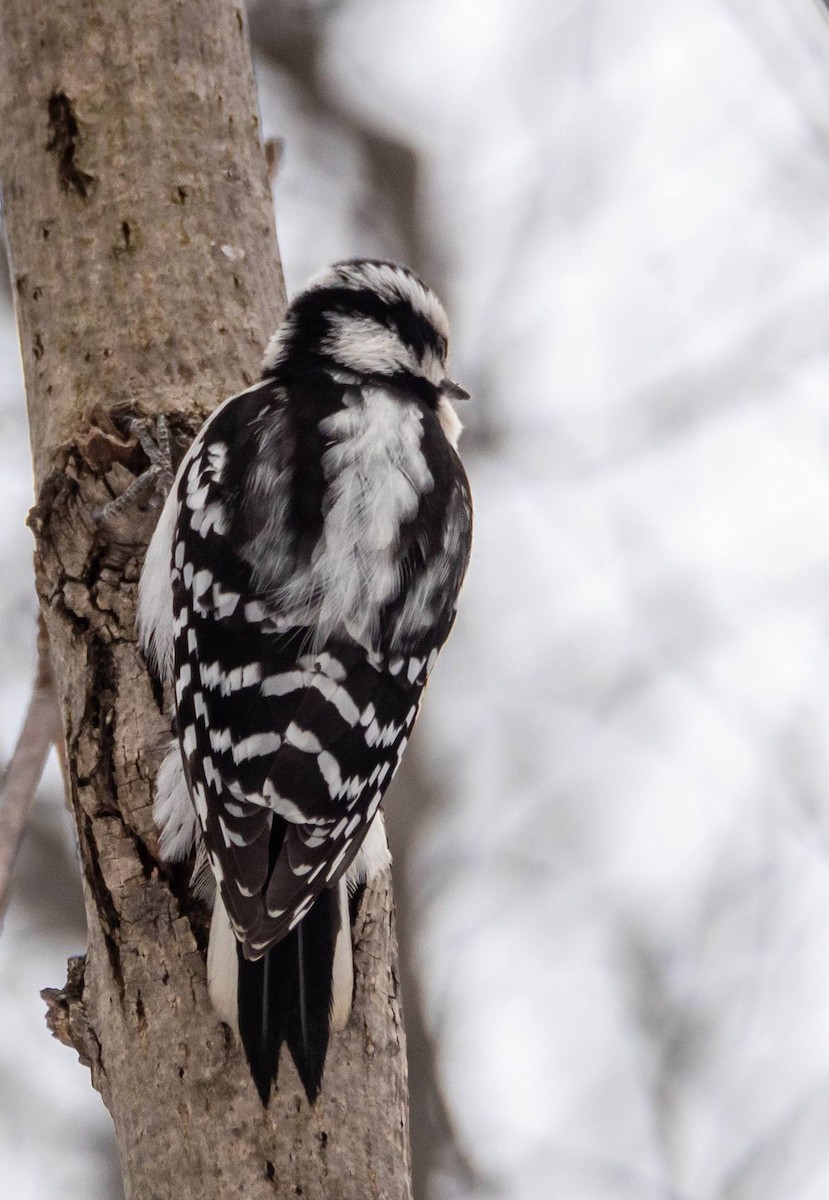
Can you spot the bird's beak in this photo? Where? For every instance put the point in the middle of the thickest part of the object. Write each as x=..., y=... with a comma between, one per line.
x=453, y=391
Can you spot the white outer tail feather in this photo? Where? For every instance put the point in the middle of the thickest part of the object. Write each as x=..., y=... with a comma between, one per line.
x=342, y=970
x=223, y=965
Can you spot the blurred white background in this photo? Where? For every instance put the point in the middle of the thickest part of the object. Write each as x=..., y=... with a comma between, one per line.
x=612, y=832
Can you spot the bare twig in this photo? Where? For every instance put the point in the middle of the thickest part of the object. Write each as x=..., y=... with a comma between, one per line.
x=41, y=730
x=274, y=154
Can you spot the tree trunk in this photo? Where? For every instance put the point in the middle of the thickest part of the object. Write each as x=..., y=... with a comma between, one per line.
x=147, y=280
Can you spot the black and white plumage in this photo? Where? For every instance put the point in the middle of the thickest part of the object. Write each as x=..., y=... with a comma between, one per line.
x=303, y=576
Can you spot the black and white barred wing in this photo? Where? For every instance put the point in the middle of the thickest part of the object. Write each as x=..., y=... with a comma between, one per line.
x=289, y=747
x=288, y=768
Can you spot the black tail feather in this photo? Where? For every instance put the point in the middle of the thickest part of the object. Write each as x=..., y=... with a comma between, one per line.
x=259, y=1026
x=285, y=997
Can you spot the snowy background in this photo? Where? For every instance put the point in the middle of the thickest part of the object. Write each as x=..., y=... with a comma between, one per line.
x=612, y=832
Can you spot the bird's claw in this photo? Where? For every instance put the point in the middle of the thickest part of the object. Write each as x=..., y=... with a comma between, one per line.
x=158, y=478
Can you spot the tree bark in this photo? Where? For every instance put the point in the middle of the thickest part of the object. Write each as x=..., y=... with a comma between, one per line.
x=147, y=280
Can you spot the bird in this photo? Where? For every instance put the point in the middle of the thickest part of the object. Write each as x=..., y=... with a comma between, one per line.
x=303, y=575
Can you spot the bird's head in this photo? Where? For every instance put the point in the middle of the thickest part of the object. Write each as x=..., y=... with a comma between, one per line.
x=371, y=322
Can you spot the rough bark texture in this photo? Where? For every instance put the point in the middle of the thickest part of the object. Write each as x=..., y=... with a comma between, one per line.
x=147, y=280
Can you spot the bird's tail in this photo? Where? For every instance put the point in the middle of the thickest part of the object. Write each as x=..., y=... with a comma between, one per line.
x=294, y=994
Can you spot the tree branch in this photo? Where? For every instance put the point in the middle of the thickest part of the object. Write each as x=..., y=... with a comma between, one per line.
x=41, y=730
x=147, y=281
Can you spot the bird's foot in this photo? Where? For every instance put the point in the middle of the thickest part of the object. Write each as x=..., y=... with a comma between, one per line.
x=154, y=483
